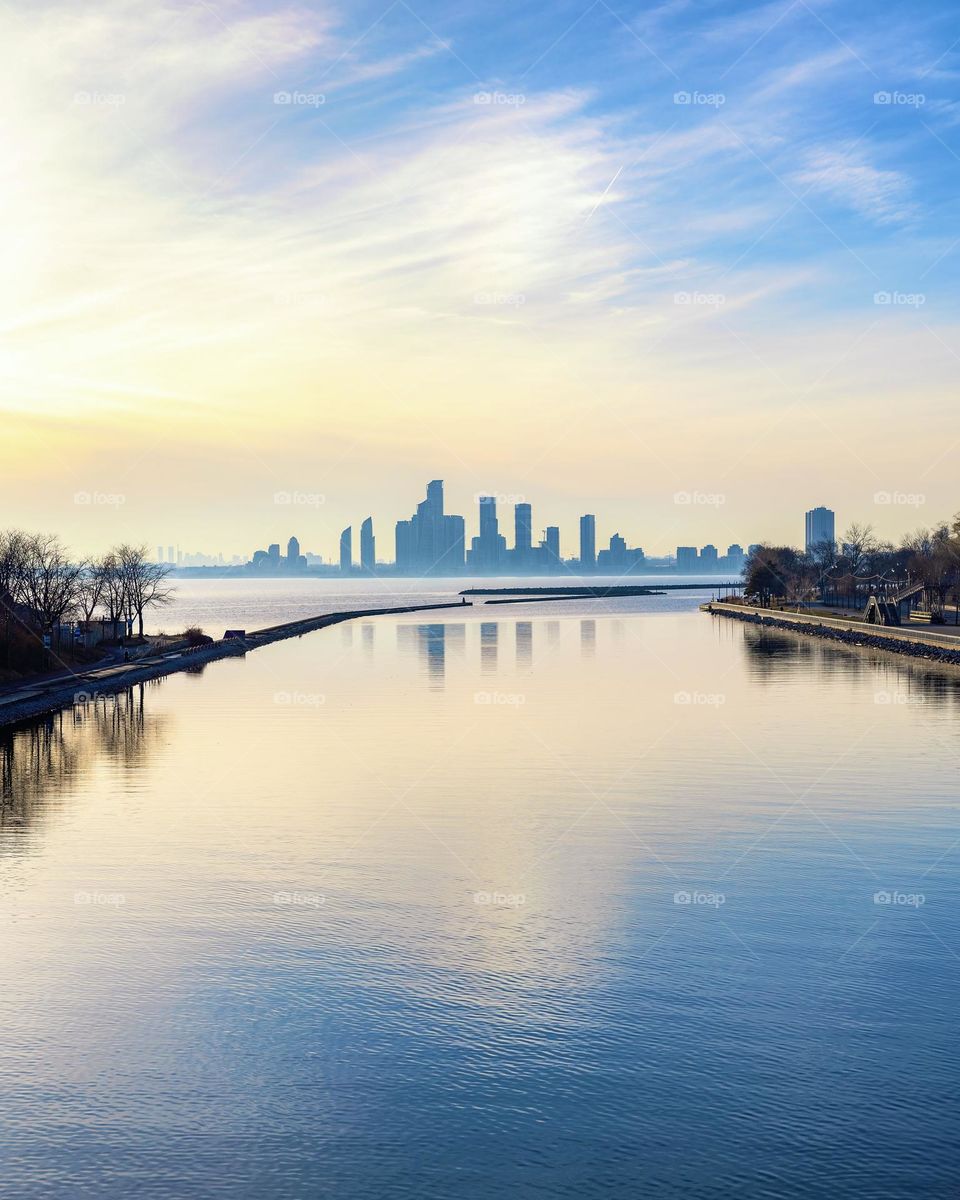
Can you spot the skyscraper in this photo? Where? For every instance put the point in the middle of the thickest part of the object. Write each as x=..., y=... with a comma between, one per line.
x=687, y=558
x=522, y=534
x=820, y=527
x=588, y=542
x=431, y=542
x=487, y=552
x=346, y=550
x=551, y=544
x=368, y=557
x=293, y=553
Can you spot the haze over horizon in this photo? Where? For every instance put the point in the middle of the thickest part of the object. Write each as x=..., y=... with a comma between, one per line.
x=256, y=249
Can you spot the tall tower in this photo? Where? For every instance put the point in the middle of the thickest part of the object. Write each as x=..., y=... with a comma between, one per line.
x=820, y=526
x=293, y=552
x=522, y=532
x=588, y=542
x=346, y=551
x=368, y=557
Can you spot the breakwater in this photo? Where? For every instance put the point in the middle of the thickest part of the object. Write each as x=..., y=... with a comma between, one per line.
x=33, y=700
x=942, y=649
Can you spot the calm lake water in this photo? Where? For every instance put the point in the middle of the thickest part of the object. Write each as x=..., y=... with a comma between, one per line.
x=614, y=900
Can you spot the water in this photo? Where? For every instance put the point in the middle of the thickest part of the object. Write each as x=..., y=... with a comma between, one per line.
x=527, y=902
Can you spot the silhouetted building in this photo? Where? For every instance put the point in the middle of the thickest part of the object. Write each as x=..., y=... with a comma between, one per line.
x=488, y=551
x=820, y=527
x=708, y=557
x=431, y=542
x=588, y=542
x=273, y=553
x=687, y=559
x=551, y=544
x=346, y=550
x=293, y=552
x=522, y=535
x=368, y=555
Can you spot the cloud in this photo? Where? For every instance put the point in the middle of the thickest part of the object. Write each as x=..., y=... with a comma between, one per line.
x=846, y=177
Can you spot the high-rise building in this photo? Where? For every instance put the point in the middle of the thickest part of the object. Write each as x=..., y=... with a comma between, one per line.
x=346, y=550
x=368, y=556
x=431, y=542
x=273, y=553
x=551, y=544
x=588, y=542
x=522, y=534
x=293, y=553
x=171, y=557
x=687, y=558
x=820, y=527
x=488, y=551
x=159, y=554
x=709, y=557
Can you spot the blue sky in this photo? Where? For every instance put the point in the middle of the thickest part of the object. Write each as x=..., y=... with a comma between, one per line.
x=585, y=253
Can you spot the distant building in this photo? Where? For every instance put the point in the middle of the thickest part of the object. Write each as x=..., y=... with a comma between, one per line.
x=820, y=527
x=488, y=551
x=293, y=552
x=522, y=534
x=431, y=542
x=709, y=557
x=588, y=542
x=171, y=557
x=687, y=558
x=273, y=553
x=346, y=550
x=618, y=558
x=551, y=547
x=368, y=556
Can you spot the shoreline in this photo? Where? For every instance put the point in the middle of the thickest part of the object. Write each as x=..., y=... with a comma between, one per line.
x=35, y=700
x=914, y=644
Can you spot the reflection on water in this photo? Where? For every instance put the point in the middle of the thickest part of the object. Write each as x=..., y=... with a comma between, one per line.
x=44, y=758
x=642, y=905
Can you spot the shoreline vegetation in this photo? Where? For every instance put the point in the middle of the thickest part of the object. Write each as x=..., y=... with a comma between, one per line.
x=47, y=695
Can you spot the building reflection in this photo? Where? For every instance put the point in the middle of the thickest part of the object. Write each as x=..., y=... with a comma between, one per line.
x=525, y=645
x=488, y=647
x=553, y=633
x=588, y=639
x=367, y=634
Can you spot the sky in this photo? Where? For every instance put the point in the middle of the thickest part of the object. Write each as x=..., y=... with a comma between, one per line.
x=688, y=265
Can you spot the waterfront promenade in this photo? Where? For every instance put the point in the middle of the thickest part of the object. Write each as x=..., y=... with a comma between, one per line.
x=939, y=644
x=21, y=702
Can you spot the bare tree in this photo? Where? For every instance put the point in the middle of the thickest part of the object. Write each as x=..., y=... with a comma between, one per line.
x=93, y=586
x=50, y=580
x=144, y=581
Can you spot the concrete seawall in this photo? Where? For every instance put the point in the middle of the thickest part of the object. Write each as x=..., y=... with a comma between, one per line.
x=33, y=700
x=940, y=648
